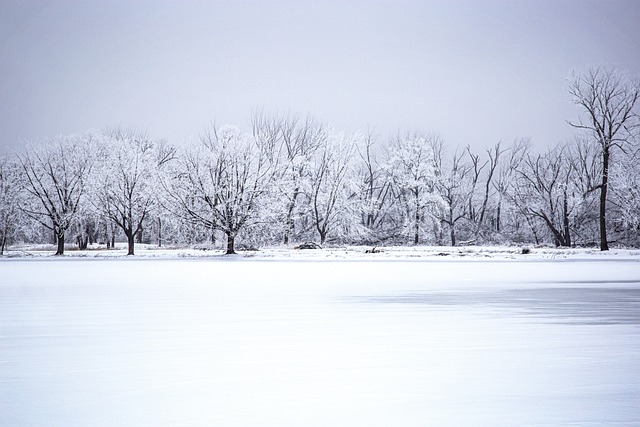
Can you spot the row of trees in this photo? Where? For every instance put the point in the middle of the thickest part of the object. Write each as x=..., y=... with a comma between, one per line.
x=289, y=180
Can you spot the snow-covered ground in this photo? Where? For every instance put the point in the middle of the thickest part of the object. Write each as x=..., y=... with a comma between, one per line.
x=493, y=339
x=336, y=253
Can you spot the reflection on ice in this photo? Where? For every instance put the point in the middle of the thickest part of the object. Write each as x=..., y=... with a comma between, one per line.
x=588, y=306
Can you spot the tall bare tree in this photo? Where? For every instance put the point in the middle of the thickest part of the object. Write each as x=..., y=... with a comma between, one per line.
x=608, y=99
x=375, y=187
x=454, y=187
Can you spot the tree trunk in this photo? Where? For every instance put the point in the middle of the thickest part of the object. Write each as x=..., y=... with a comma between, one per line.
x=565, y=219
x=452, y=233
x=323, y=236
x=159, y=232
x=604, y=245
x=139, y=235
x=230, y=244
x=416, y=232
x=289, y=224
x=130, y=241
x=83, y=242
x=60, y=239
x=3, y=242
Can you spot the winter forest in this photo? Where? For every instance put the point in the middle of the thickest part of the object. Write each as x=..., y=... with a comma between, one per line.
x=287, y=179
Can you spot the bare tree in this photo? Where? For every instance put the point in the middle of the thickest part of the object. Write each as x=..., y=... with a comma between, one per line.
x=56, y=173
x=507, y=175
x=376, y=189
x=608, y=99
x=477, y=166
x=453, y=185
x=494, y=154
x=544, y=191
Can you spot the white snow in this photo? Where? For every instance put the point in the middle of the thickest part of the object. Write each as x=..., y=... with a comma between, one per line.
x=504, y=340
x=403, y=253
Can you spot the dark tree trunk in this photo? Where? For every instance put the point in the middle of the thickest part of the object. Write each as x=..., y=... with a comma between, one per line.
x=230, y=244
x=452, y=233
x=83, y=242
x=60, y=239
x=159, y=232
x=452, y=227
x=3, y=242
x=565, y=220
x=604, y=245
x=289, y=224
x=323, y=235
x=130, y=241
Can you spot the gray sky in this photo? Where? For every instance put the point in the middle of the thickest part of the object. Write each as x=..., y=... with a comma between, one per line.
x=474, y=72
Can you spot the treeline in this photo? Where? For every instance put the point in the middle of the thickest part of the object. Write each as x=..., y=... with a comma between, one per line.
x=287, y=180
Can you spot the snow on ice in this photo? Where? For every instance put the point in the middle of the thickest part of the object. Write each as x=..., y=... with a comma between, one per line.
x=268, y=340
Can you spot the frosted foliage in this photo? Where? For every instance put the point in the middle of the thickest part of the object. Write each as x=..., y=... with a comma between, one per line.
x=334, y=206
x=411, y=168
x=220, y=181
x=10, y=190
x=289, y=180
x=127, y=184
x=625, y=184
x=55, y=173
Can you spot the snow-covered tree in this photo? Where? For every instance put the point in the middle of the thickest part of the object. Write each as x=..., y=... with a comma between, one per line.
x=56, y=172
x=301, y=141
x=625, y=192
x=453, y=185
x=375, y=189
x=10, y=190
x=413, y=174
x=332, y=191
x=545, y=191
x=609, y=100
x=126, y=183
x=218, y=183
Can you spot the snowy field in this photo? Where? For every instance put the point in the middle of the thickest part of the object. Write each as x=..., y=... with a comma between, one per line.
x=303, y=340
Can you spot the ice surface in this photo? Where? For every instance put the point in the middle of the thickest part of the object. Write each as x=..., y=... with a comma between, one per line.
x=156, y=342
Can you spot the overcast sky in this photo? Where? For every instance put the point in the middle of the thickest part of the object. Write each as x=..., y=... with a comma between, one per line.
x=475, y=72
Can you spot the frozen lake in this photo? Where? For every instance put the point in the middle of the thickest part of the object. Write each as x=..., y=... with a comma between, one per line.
x=149, y=342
